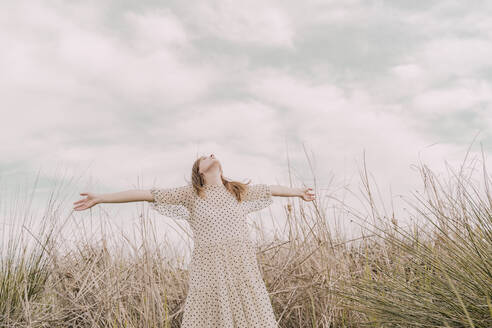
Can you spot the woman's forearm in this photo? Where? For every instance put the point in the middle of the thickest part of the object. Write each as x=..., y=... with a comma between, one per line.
x=285, y=191
x=125, y=196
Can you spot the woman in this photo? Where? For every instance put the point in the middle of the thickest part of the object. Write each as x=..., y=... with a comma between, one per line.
x=225, y=285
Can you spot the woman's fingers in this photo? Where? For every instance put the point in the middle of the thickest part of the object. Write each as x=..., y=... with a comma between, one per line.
x=308, y=195
x=81, y=207
x=307, y=191
x=83, y=200
x=82, y=204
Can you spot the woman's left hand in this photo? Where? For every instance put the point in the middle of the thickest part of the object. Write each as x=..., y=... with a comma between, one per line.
x=306, y=194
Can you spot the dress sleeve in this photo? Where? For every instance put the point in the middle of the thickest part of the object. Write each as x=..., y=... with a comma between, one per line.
x=257, y=197
x=172, y=202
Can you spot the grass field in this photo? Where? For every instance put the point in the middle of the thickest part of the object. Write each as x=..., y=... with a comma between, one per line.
x=437, y=273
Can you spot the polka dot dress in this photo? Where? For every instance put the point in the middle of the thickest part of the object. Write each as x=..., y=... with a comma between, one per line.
x=226, y=289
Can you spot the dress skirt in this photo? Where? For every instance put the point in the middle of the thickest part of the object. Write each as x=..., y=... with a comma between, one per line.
x=226, y=289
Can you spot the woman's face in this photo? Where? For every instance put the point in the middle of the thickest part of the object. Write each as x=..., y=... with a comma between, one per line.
x=208, y=162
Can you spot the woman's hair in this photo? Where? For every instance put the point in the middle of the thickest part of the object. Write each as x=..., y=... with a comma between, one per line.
x=238, y=189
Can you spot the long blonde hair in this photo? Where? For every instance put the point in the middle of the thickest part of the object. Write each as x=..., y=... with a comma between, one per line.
x=238, y=189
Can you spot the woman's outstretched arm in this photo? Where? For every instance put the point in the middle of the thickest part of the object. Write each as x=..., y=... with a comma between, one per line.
x=116, y=197
x=304, y=193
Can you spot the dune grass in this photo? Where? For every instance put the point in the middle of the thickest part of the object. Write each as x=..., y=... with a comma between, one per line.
x=436, y=272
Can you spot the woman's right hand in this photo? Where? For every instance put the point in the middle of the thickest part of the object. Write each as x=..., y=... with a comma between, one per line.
x=87, y=202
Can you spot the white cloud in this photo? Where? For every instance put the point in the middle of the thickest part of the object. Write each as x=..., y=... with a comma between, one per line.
x=339, y=124
x=408, y=71
x=448, y=57
x=463, y=96
x=252, y=22
x=146, y=85
x=157, y=29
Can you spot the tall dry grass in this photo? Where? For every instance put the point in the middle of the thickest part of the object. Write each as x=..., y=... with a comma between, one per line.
x=435, y=273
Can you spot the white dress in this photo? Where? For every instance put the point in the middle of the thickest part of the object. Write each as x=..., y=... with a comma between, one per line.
x=225, y=287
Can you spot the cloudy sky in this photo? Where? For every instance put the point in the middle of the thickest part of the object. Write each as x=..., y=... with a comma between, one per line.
x=126, y=94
